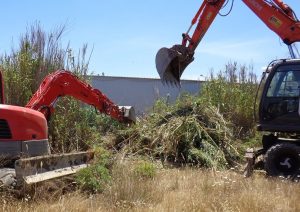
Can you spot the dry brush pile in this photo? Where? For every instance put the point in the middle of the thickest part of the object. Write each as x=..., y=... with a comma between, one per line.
x=204, y=130
x=190, y=131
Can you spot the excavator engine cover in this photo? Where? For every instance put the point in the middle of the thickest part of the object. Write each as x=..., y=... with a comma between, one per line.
x=170, y=63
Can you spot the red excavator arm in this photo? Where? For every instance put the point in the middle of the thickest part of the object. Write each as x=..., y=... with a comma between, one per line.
x=64, y=83
x=278, y=16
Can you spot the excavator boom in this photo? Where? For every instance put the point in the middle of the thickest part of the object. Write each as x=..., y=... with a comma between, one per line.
x=64, y=83
x=58, y=84
x=278, y=16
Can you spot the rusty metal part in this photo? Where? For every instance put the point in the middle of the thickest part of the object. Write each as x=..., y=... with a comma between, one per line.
x=129, y=113
x=36, y=169
x=7, y=177
x=251, y=155
x=170, y=63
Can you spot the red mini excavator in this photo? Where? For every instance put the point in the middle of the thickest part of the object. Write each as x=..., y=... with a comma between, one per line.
x=277, y=105
x=24, y=130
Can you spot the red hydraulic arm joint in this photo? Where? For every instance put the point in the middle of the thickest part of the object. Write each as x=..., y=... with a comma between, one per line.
x=64, y=83
x=278, y=16
x=205, y=16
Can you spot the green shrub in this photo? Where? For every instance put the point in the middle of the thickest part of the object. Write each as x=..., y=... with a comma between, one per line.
x=76, y=130
x=93, y=178
x=97, y=176
x=107, y=124
x=145, y=169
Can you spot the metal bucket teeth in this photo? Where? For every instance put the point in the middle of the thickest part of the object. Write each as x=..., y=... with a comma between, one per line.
x=164, y=59
x=170, y=64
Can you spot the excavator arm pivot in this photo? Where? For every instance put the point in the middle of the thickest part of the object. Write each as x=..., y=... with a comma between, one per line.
x=170, y=63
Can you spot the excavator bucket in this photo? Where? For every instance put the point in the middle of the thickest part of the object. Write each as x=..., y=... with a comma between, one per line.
x=129, y=113
x=36, y=169
x=170, y=63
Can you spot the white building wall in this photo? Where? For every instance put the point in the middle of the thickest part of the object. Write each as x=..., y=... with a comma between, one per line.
x=141, y=92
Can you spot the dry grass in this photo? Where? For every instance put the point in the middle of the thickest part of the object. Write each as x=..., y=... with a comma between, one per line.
x=177, y=190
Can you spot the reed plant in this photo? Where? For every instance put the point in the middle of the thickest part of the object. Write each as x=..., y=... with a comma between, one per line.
x=232, y=91
x=38, y=54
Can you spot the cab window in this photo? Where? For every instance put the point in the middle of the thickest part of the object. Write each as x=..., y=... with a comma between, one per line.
x=285, y=84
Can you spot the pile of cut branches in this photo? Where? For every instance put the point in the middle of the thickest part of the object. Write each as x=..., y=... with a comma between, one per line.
x=190, y=131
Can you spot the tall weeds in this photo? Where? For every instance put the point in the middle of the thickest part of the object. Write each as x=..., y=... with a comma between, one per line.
x=38, y=54
x=232, y=91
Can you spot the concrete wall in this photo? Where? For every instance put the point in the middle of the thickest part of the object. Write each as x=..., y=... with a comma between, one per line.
x=141, y=92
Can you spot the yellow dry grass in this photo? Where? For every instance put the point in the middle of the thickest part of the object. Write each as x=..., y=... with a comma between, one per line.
x=177, y=190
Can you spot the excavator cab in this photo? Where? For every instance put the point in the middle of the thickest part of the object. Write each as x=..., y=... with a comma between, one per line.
x=277, y=104
x=278, y=112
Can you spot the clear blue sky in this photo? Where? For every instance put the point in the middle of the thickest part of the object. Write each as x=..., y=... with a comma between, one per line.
x=126, y=34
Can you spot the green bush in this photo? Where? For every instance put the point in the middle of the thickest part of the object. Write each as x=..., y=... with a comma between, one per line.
x=145, y=169
x=97, y=176
x=76, y=130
